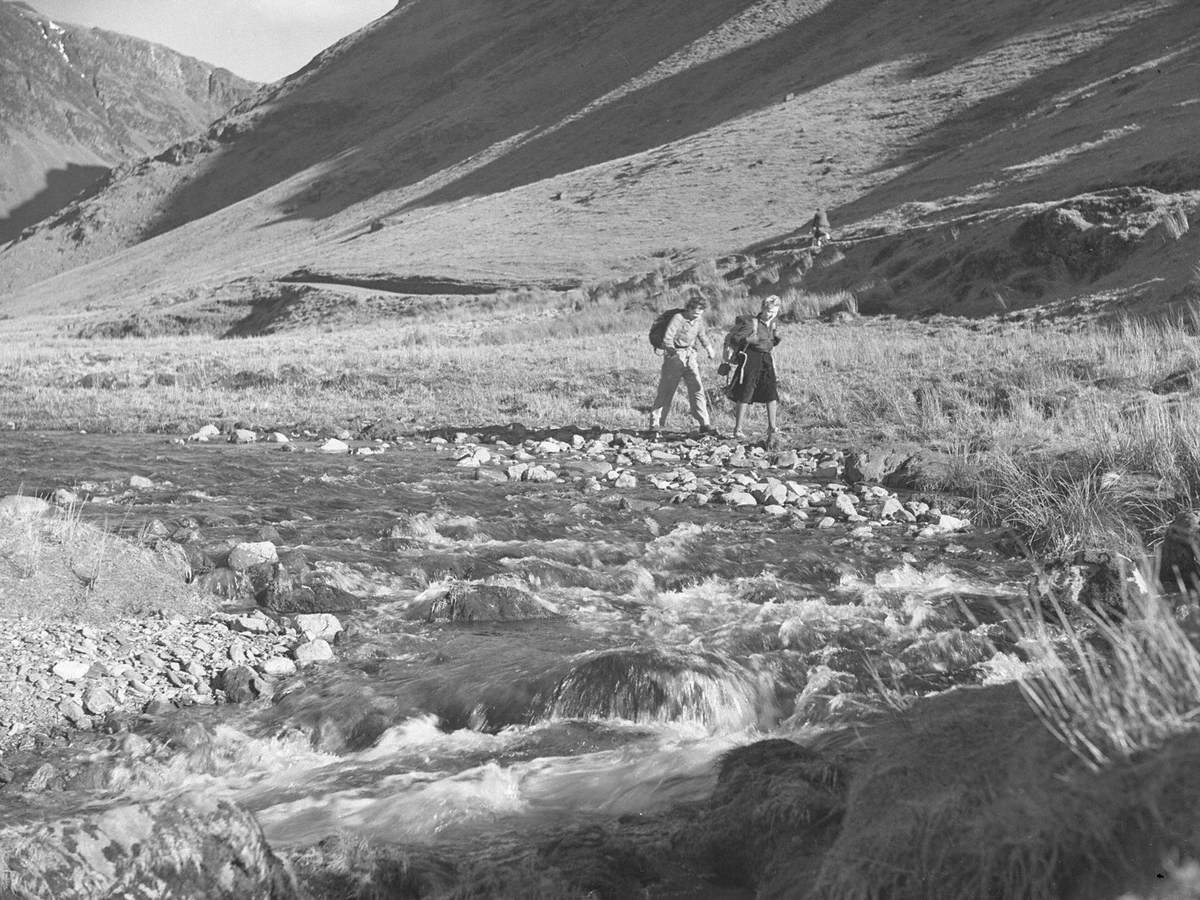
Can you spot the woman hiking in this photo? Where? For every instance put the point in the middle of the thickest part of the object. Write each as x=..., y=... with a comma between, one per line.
x=748, y=347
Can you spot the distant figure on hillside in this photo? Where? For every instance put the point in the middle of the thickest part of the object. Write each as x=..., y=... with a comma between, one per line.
x=748, y=348
x=680, y=362
x=820, y=229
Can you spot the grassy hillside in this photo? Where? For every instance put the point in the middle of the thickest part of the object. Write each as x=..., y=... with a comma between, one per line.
x=542, y=143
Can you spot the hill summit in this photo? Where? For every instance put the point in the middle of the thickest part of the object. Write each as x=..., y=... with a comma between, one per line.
x=462, y=146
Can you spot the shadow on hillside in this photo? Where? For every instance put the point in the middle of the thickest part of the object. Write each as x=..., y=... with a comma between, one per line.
x=62, y=186
x=982, y=141
x=446, y=102
x=978, y=144
x=842, y=38
x=406, y=101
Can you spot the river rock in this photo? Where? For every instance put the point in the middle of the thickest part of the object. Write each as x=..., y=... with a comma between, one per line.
x=255, y=623
x=18, y=506
x=892, y=508
x=313, y=651
x=942, y=524
x=873, y=466
x=140, y=482
x=655, y=685
x=774, y=493
x=288, y=598
x=74, y=713
x=540, y=474
x=477, y=603
x=240, y=684
x=625, y=481
x=319, y=625
x=333, y=445
x=71, y=669
x=255, y=553
x=193, y=846
x=844, y=505
x=205, y=433
x=242, y=436
x=278, y=666
x=98, y=701
x=787, y=460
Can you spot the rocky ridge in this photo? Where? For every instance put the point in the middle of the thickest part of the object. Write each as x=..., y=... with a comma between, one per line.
x=76, y=101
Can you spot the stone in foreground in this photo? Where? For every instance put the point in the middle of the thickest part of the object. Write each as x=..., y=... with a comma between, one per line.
x=167, y=850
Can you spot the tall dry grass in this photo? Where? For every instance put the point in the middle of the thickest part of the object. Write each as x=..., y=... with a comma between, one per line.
x=58, y=566
x=1111, y=687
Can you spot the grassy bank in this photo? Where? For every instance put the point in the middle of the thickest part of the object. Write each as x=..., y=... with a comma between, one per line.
x=1068, y=436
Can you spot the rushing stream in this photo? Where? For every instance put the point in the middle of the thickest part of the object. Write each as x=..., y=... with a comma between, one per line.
x=680, y=631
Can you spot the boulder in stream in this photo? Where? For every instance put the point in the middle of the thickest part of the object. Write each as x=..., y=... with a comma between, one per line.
x=652, y=685
x=252, y=553
x=167, y=849
x=240, y=684
x=289, y=598
x=472, y=602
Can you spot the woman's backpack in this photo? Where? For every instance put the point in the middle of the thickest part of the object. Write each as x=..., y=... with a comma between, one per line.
x=741, y=333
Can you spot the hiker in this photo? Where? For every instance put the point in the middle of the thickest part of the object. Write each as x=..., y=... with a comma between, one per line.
x=680, y=361
x=820, y=229
x=748, y=349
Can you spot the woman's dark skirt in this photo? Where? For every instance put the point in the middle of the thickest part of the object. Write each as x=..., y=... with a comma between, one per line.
x=754, y=380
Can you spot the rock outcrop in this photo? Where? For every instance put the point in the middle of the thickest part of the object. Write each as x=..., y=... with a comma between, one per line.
x=76, y=101
x=187, y=847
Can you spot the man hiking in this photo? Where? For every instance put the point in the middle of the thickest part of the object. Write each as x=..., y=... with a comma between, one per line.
x=680, y=362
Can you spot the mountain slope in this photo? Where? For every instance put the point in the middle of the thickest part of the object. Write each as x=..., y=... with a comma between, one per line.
x=539, y=141
x=76, y=101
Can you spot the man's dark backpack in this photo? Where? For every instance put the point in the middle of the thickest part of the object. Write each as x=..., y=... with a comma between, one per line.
x=658, y=331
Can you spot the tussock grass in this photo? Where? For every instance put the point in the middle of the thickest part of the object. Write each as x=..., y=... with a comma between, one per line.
x=1059, y=511
x=60, y=567
x=1124, y=688
x=801, y=305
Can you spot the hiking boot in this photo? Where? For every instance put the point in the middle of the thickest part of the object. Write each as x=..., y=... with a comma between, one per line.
x=708, y=431
x=738, y=435
x=772, y=441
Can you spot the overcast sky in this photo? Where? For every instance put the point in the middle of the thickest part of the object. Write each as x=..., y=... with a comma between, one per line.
x=258, y=39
